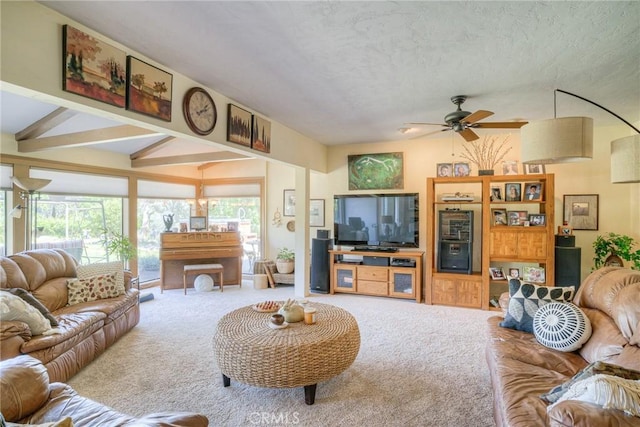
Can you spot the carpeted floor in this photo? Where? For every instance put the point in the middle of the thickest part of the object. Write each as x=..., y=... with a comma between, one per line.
x=418, y=365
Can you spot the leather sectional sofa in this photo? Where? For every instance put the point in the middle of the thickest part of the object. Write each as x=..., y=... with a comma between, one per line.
x=27, y=397
x=522, y=369
x=85, y=329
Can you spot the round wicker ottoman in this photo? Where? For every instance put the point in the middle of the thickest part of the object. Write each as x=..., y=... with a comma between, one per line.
x=249, y=351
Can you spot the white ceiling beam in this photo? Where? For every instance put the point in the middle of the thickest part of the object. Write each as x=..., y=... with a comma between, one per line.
x=219, y=156
x=150, y=148
x=79, y=139
x=45, y=124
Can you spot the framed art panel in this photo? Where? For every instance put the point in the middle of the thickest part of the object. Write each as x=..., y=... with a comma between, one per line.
x=261, y=134
x=444, y=169
x=148, y=89
x=93, y=68
x=580, y=211
x=382, y=171
x=289, y=203
x=197, y=223
x=533, y=169
x=238, y=125
x=316, y=212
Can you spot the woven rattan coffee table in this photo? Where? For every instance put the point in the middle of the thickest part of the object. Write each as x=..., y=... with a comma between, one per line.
x=300, y=355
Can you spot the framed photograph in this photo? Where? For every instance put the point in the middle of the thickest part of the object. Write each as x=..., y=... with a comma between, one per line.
x=517, y=218
x=513, y=191
x=533, y=191
x=461, y=169
x=514, y=273
x=238, y=125
x=496, y=194
x=580, y=211
x=381, y=171
x=232, y=225
x=289, y=203
x=93, y=68
x=533, y=274
x=261, y=134
x=148, y=89
x=536, y=220
x=316, y=212
x=444, y=169
x=497, y=273
x=533, y=169
x=499, y=216
x=510, y=168
x=198, y=223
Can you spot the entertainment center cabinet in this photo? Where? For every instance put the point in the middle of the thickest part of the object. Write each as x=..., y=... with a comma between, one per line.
x=394, y=274
x=497, y=248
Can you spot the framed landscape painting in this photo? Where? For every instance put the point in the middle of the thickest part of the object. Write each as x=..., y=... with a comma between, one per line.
x=93, y=68
x=148, y=89
x=383, y=171
x=261, y=134
x=239, y=125
x=581, y=211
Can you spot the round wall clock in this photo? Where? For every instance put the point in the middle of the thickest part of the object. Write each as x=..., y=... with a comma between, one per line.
x=199, y=111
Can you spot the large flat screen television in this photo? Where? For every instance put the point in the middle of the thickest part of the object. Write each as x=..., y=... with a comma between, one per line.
x=384, y=220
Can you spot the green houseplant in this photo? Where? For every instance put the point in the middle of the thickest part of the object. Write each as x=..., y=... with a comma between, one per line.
x=119, y=245
x=610, y=246
x=285, y=260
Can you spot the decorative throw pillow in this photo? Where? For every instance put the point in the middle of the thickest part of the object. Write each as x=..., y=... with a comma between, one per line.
x=590, y=370
x=32, y=301
x=99, y=268
x=526, y=298
x=15, y=308
x=92, y=289
x=607, y=391
x=561, y=326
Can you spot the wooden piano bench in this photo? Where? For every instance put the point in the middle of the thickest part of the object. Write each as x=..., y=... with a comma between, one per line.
x=211, y=269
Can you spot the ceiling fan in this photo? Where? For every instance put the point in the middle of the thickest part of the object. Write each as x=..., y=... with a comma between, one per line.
x=462, y=122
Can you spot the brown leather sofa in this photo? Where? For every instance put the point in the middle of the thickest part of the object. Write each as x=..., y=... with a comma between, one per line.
x=86, y=329
x=27, y=397
x=522, y=369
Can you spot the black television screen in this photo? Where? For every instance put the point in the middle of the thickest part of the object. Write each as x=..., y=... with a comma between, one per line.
x=387, y=220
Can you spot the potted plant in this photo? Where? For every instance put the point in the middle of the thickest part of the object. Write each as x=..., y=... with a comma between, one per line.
x=285, y=260
x=612, y=248
x=119, y=245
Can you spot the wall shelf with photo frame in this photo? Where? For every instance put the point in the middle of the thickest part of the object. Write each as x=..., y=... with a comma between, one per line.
x=500, y=247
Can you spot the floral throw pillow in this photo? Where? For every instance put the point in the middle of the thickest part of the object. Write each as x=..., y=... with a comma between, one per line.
x=95, y=269
x=93, y=288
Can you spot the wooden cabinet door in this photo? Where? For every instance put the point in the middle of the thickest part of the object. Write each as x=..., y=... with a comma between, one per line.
x=402, y=282
x=532, y=245
x=443, y=291
x=344, y=278
x=469, y=293
x=503, y=244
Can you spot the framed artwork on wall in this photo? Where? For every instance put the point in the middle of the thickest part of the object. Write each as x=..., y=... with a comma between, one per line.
x=239, y=125
x=93, y=68
x=381, y=171
x=261, y=134
x=580, y=211
x=289, y=202
x=148, y=89
x=316, y=212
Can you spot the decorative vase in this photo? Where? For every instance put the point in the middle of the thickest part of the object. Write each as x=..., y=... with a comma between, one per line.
x=482, y=172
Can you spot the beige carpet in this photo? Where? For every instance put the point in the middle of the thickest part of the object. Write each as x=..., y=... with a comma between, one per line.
x=418, y=365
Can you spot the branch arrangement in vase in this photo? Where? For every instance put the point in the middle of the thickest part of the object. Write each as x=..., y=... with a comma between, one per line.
x=486, y=154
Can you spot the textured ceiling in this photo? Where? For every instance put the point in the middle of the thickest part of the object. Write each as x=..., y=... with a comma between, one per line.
x=348, y=72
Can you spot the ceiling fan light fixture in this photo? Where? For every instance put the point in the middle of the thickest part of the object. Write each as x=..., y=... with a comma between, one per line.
x=560, y=140
x=625, y=160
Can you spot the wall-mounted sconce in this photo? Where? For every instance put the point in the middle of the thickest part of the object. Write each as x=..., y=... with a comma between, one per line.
x=16, y=212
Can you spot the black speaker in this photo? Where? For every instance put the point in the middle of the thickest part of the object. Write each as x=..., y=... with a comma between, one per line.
x=320, y=265
x=567, y=266
x=565, y=241
x=454, y=257
x=322, y=234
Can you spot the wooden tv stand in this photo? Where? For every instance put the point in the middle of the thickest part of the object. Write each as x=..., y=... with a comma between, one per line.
x=388, y=279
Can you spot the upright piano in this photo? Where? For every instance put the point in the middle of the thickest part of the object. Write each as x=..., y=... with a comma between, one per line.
x=180, y=249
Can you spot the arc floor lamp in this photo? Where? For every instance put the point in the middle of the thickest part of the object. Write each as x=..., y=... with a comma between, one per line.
x=570, y=139
x=30, y=195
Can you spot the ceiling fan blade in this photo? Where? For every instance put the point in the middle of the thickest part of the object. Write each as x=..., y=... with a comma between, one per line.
x=429, y=133
x=425, y=124
x=477, y=116
x=500, y=125
x=469, y=135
